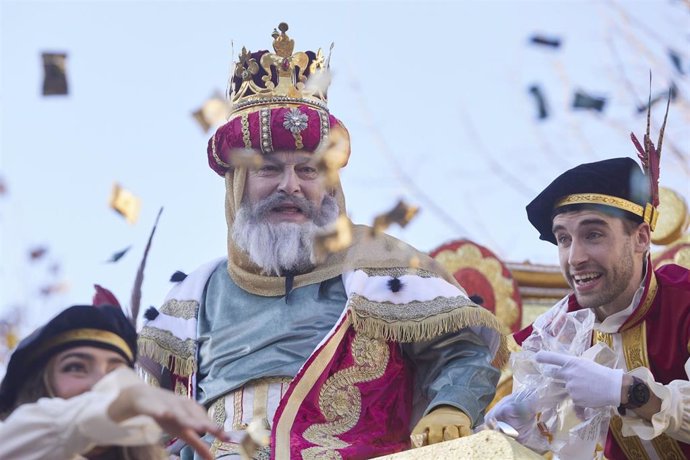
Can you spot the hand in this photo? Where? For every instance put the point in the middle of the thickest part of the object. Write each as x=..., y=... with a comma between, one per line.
x=441, y=424
x=588, y=383
x=179, y=416
x=517, y=413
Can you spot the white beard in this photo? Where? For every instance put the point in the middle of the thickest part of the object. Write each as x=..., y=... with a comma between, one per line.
x=282, y=247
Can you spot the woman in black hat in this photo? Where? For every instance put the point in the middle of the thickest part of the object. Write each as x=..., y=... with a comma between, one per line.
x=70, y=392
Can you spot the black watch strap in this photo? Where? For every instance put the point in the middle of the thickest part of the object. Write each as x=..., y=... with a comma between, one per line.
x=638, y=396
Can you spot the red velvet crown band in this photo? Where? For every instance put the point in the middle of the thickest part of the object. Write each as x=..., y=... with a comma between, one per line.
x=271, y=128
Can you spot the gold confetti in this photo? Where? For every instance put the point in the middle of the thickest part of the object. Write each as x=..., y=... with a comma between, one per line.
x=125, y=203
x=401, y=214
x=318, y=82
x=335, y=238
x=248, y=158
x=331, y=158
x=414, y=262
x=213, y=111
x=54, y=74
x=57, y=288
x=258, y=436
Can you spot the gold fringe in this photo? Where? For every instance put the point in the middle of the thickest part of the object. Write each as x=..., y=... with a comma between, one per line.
x=406, y=331
x=179, y=365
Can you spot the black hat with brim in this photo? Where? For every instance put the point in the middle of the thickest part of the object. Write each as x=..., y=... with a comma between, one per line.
x=81, y=325
x=616, y=186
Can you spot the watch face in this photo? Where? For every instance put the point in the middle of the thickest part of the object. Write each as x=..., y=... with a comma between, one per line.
x=639, y=394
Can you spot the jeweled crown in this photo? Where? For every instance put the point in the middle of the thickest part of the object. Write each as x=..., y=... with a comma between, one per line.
x=264, y=78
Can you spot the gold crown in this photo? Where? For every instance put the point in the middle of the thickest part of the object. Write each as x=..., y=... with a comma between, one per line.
x=280, y=77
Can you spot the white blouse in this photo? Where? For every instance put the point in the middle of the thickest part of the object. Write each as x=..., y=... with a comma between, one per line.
x=65, y=428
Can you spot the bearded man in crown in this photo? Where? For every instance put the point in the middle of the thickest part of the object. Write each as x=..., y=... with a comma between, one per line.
x=342, y=355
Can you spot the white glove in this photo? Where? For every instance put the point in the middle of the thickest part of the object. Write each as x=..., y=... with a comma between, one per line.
x=588, y=383
x=515, y=412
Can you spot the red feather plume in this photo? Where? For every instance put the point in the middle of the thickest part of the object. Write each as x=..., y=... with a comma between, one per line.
x=649, y=155
x=104, y=297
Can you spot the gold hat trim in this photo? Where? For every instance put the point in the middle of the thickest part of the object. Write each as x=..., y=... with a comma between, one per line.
x=94, y=335
x=648, y=213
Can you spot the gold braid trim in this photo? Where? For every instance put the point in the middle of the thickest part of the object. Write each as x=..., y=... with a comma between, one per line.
x=215, y=154
x=340, y=400
x=246, y=138
x=635, y=351
x=184, y=309
x=421, y=321
x=597, y=198
x=167, y=350
x=397, y=272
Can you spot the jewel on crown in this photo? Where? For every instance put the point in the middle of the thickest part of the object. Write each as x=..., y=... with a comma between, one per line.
x=264, y=78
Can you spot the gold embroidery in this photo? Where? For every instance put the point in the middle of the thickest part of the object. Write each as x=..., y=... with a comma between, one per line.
x=397, y=272
x=603, y=337
x=217, y=412
x=237, y=405
x=340, y=400
x=219, y=448
x=635, y=350
x=303, y=386
x=631, y=445
x=184, y=309
x=635, y=347
x=411, y=311
x=667, y=448
x=245, y=131
x=596, y=198
x=298, y=141
x=215, y=154
x=419, y=321
x=181, y=389
x=161, y=346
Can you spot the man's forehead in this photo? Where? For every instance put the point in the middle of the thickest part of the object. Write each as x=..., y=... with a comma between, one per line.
x=289, y=157
x=579, y=218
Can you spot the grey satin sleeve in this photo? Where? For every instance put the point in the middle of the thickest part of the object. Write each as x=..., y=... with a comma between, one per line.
x=455, y=369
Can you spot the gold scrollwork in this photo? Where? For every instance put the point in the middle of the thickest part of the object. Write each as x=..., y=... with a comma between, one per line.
x=340, y=400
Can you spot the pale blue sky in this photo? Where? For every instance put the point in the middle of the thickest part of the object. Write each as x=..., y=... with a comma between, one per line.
x=434, y=95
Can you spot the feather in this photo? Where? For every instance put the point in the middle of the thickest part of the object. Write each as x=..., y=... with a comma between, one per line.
x=139, y=280
x=650, y=155
x=104, y=297
x=640, y=150
x=663, y=125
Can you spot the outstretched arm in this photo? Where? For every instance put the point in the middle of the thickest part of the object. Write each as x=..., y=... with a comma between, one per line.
x=119, y=410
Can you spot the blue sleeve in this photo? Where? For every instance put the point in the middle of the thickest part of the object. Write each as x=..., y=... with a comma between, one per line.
x=455, y=369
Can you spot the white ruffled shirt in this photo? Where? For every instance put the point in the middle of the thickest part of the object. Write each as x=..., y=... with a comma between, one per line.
x=65, y=428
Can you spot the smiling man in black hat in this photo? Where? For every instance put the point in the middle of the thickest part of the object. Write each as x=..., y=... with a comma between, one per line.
x=600, y=216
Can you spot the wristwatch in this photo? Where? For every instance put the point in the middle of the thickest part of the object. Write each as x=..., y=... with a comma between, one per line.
x=638, y=396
